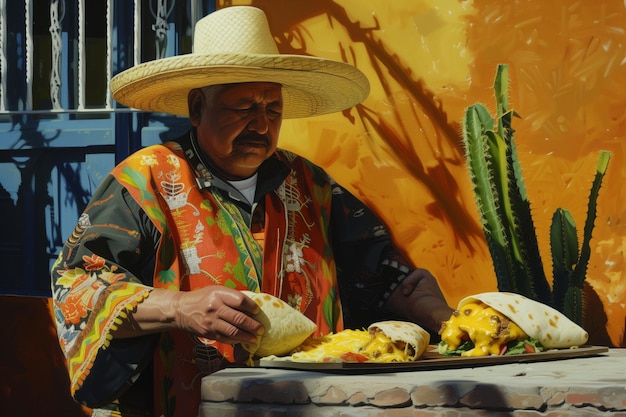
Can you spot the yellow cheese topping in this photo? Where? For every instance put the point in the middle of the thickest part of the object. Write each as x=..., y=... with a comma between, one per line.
x=486, y=327
x=382, y=349
x=353, y=345
x=332, y=346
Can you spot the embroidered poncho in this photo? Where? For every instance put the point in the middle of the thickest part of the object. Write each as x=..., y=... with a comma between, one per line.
x=157, y=221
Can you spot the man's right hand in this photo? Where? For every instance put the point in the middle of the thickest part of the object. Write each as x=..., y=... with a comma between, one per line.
x=213, y=312
x=217, y=313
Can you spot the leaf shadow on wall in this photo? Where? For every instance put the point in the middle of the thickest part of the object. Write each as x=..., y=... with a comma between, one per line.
x=408, y=129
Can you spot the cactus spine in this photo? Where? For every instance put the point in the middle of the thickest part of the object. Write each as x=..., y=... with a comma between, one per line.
x=506, y=216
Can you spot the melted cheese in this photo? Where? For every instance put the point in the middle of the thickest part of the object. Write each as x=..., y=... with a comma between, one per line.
x=484, y=326
x=330, y=348
x=381, y=348
x=353, y=345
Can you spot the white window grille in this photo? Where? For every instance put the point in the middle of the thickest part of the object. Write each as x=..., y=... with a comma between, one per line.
x=68, y=50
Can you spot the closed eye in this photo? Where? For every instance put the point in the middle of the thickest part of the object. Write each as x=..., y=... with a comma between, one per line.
x=274, y=113
x=243, y=110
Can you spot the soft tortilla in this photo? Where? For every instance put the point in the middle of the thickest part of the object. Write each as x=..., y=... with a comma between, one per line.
x=403, y=331
x=285, y=327
x=539, y=321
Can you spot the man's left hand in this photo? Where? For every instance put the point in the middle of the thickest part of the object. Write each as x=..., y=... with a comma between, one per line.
x=418, y=298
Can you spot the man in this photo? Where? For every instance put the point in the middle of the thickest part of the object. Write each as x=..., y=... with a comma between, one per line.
x=147, y=288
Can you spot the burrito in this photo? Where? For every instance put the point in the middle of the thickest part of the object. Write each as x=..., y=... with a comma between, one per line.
x=385, y=341
x=285, y=327
x=500, y=323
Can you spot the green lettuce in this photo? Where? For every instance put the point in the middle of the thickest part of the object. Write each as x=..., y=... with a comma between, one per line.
x=513, y=348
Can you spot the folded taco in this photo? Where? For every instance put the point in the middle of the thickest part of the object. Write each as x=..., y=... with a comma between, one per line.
x=285, y=327
x=395, y=341
x=498, y=323
x=385, y=341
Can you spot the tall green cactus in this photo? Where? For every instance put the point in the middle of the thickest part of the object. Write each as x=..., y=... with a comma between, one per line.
x=506, y=215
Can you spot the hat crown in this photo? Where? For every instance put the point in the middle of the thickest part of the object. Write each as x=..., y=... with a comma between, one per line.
x=234, y=30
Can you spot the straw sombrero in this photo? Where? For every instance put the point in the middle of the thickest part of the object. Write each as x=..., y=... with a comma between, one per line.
x=235, y=45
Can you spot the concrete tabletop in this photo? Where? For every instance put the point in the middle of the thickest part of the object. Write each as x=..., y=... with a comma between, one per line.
x=588, y=386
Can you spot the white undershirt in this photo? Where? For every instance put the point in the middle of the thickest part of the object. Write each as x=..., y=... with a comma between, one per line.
x=246, y=187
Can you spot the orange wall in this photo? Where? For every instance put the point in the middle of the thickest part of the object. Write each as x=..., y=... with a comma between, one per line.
x=427, y=60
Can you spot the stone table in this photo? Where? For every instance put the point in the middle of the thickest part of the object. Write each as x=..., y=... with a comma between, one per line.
x=587, y=386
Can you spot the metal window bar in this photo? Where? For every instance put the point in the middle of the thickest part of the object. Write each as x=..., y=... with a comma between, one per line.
x=81, y=55
x=3, y=56
x=57, y=13
x=28, y=12
x=137, y=32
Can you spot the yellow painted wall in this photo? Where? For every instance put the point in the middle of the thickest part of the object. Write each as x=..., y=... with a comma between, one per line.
x=401, y=151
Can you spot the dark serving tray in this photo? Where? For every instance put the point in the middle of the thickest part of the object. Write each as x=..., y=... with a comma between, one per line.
x=432, y=360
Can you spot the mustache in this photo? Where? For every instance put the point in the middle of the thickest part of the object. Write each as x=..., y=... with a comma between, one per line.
x=252, y=137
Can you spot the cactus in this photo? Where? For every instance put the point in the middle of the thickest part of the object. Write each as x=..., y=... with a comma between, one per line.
x=569, y=266
x=506, y=217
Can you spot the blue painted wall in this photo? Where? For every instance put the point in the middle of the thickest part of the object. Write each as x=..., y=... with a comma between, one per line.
x=52, y=162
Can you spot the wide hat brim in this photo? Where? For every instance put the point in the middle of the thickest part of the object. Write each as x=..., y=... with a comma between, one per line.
x=311, y=86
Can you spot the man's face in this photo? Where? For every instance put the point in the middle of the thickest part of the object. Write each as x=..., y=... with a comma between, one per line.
x=237, y=125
